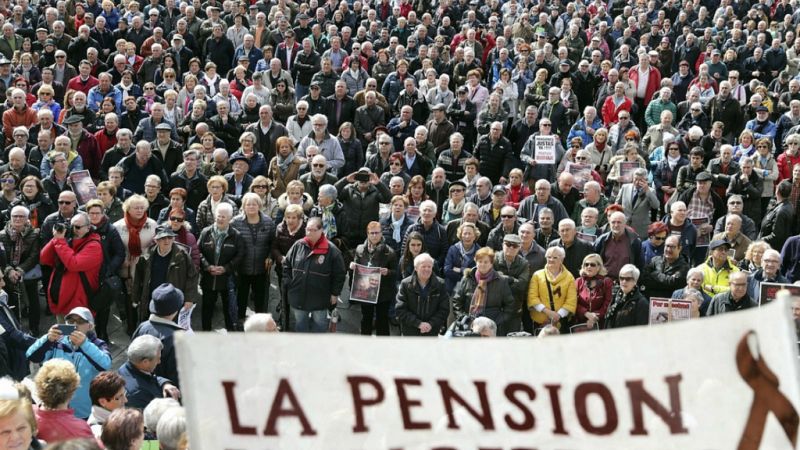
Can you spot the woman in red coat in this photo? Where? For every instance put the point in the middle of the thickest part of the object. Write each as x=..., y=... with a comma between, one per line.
x=594, y=292
x=68, y=259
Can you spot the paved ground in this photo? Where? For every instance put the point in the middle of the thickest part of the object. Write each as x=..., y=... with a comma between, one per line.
x=349, y=322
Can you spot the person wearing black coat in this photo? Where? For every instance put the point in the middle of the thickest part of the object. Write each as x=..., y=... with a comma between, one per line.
x=748, y=184
x=375, y=252
x=361, y=200
x=257, y=232
x=422, y=302
x=494, y=153
x=114, y=252
x=339, y=108
x=666, y=273
x=13, y=341
x=462, y=113
x=396, y=224
x=433, y=232
x=313, y=276
x=497, y=302
x=778, y=223
x=21, y=244
x=629, y=307
x=221, y=251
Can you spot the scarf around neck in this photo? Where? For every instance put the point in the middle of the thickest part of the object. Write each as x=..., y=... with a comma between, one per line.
x=478, y=303
x=134, y=229
x=284, y=163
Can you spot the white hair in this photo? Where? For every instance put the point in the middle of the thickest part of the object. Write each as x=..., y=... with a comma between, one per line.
x=261, y=322
x=146, y=346
x=155, y=409
x=422, y=258
x=631, y=270
x=484, y=323
x=171, y=427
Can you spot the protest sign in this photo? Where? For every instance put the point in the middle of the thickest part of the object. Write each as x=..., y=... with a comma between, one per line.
x=83, y=186
x=769, y=291
x=642, y=388
x=626, y=169
x=703, y=239
x=545, y=149
x=581, y=172
x=663, y=310
x=366, y=284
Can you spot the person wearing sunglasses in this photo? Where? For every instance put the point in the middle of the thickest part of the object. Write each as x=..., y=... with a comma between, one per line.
x=594, y=291
x=629, y=306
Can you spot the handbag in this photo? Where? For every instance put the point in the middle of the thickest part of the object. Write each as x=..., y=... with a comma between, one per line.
x=94, y=298
x=34, y=274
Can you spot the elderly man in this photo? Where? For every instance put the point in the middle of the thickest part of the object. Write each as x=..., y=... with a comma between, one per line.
x=18, y=115
x=734, y=236
x=530, y=208
x=704, y=207
x=778, y=223
x=564, y=190
x=494, y=153
x=733, y=299
x=361, y=194
x=508, y=225
x=718, y=268
x=328, y=144
x=639, y=200
x=574, y=249
x=260, y=322
x=317, y=176
x=666, y=273
x=619, y=246
x=17, y=165
x=592, y=198
x=139, y=165
x=518, y=272
x=141, y=382
x=433, y=233
x=313, y=276
x=654, y=137
x=471, y=214
x=84, y=143
x=768, y=273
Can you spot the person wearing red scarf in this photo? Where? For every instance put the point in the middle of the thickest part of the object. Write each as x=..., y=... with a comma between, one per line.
x=313, y=276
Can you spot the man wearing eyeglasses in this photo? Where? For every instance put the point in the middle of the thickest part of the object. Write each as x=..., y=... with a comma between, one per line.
x=735, y=299
x=666, y=273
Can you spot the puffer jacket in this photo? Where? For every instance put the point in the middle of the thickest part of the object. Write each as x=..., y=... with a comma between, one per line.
x=65, y=290
x=500, y=305
x=229, y=257
x=564, y=292
x=91, y=358
x=181, y=273
x=382, y=256
x=257, y=243
x=717, y=281
x=205, y=216
x=311, y=280
x=412, y=310
x=361, y=209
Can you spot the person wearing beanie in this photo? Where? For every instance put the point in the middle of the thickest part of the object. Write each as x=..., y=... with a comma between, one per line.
x=165, y=303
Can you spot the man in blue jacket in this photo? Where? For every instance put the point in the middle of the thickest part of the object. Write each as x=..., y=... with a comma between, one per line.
x=82, y=348
x=165, y=302
x=141, y=381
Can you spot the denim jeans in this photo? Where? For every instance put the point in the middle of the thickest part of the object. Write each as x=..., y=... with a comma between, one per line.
x=300, y=91
x=311, y=321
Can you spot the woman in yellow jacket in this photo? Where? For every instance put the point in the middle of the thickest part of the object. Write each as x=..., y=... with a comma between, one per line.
x=552, y=296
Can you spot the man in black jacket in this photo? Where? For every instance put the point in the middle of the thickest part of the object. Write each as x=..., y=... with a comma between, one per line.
x=778, y=223
x=734, y=300
x=313, y=276
x=665, y=274
x=494, y=153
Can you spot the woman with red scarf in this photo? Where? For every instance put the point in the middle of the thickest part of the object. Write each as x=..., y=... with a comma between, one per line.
x=137, y=232
x=484, y=292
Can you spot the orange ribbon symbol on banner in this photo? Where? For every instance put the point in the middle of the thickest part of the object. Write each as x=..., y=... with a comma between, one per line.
x=767, y=397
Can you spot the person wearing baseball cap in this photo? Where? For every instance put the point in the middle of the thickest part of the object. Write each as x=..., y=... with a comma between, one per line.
x=81, y=347
x=165, y=303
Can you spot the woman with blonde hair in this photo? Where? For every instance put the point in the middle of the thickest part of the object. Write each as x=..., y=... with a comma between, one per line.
x=284, y=166
x=17, y=419
x=594, y=291
x=552, y=295
x=752, y=256
x=217, y=193
x=766, y=167
x=137, y=232
x=295, y=195
x=56, y=383
x=261, y=185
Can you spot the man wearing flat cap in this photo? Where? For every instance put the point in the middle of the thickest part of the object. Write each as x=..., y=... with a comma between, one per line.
x=164, y=306
x=239, y=180
x=166, y=262
x=704, y=208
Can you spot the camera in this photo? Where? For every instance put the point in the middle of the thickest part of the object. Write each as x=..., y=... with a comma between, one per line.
x=362, y=176
x=60, y=228
x=462, y=328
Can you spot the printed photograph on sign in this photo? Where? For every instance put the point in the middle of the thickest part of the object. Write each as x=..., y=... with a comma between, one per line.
x=366, y=284
x=664, y=310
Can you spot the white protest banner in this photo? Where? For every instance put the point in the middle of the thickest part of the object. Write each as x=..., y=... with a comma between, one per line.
x=663, y=310
x=544, y=149
x=725, y=382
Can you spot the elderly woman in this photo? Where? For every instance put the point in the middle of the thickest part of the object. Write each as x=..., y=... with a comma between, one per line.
x=284, y=167
x=765, y=166
x=257, y=231
x=694, y=281
x=291, y=229
x=221, y=249
x=295, y=195
x=461, y=256
x=137, y=232
x=485, y=292
x=112, y=205
x=124, y=430
x=657, y=233
x=34, y=197
x=217, y=194
x=630, y=307
x=453, y=208
x=261, y=186
x=375, y=252
x=22, y=272
x=56, y=383
x=257, y=163
x=330, y=210
x=177, y=200
x=178, y=221
x=552, y=296
x=422, y=303
x=594, y=290
x=299, y=125
x=752, y=257
x=107, y=392
x=17, y=420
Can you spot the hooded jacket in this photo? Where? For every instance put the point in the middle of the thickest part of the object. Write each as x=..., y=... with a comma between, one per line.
x=65, y=290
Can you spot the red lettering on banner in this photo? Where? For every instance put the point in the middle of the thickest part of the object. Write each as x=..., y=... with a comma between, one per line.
x=449, y=395
x=359, y=402
x=555, y=404
x=529, y=421
x=406, y=404
x=672, y=417
x=233, y=412
x=277, y=411
x=581, y=393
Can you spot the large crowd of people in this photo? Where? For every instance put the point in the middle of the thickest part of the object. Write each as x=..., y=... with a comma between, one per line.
x=527, y=167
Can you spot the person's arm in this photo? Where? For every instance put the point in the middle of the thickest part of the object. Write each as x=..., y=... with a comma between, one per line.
x=99, y=358
x=37, y=352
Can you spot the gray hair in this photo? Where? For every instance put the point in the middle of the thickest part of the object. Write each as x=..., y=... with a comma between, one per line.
x=559, y=251
x=261, y=322
x=422, y=258
x=124, y=132
x=145, y=347
x=329, y=191
x=690, y=293
x=21, y=209
x=640, y=173
x=171, y=427
x=428, y=204
x=484, y=323
x=155, y=409
x=695, y=271
x=630, y=269
x=225, y=207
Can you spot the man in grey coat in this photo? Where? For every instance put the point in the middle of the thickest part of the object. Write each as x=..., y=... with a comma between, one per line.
x=638, y=198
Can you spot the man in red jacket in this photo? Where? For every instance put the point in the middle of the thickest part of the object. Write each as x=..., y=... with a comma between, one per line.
x=83, y=254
